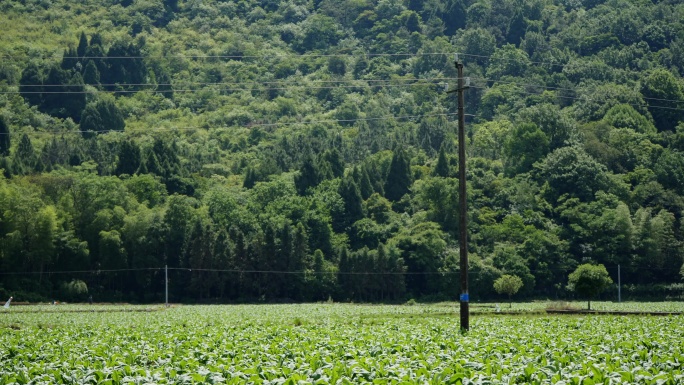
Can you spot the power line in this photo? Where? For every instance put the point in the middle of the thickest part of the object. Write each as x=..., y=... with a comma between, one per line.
x=268, y=57
x=284, y=82
x=292, y=272
x=239, y=57
x=187, y=269
x=513, y=60
x=586, y=98
x=215, y=89
x=289, y=85
x=79, y=271
x=563, y=88
x=149, y=130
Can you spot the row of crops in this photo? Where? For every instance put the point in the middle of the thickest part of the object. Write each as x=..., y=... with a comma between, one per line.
x=336, y=343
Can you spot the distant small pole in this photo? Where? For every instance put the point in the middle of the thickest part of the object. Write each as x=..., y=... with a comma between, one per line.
x=619, y=288
x=166, y=276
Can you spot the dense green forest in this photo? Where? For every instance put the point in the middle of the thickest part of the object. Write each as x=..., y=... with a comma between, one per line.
x=305, y=149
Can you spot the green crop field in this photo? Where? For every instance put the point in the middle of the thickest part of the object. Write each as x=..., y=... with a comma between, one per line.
x=336, y=343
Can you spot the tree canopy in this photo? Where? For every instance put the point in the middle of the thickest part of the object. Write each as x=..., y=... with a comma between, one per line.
x=291, y=151
x=589, y=281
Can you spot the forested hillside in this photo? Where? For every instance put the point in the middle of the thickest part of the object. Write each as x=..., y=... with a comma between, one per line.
x=305, y=149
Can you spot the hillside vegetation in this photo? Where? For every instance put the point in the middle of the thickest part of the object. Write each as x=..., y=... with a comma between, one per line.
x=305, y=150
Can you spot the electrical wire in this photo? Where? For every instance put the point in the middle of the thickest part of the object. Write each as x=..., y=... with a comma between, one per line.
x=148, y=130
x=512, y=60
x=239, y=57
x=561, y=88
x=293, y=272
x=585, y=98
x=283, y=82
x=267, y=57
x=308, y=87
x=98, y=271
x=216, y=89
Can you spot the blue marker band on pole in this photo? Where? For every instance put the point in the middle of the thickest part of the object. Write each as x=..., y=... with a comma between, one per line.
x=465, y=297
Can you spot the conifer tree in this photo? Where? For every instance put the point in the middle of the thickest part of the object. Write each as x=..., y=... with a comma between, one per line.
x=91, y=75
x=126, y=67
x=63, y=94
x=164, y=84
x=102, y=115
x=154, y=166
x=353, y=204
x=172, y=5
x=239, y=256
x=199, y=247
x=31, y=84
x=517, y=27
x=284, y=259
x=250, y=178
x=96, y=39
x=69, y=59
x=399, y=178
x=309, y=176
x=442, y=166
x=5, y=139
x=361, y=178
x=269, y=255
x=96, y=54
x=25, y=157
x=376, y=179
x=300, y=260
x=82, y=45
x=334, y=159
x=344, y=268
x=74, y=102
x=129, y=158
x=223, y=260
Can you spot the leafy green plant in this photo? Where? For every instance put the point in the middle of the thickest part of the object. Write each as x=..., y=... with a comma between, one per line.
x=338, y=343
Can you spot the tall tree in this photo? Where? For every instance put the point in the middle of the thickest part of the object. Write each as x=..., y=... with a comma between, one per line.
x=91, y=75
x=126, y=67
x=5, y=139
x=353, y=204
x=199, y=257
x=82, y=45
x=31, y=84
x=334, y=160
x=442, y=166
x=399, y=178
x=129, y=158
x=360, y=176
x=589, y=281
x=665, y=99
x=299, y=261
x=570, y=170
x=517, y=26
x=102, y=115
x=309, y=175
x=25, y=158
x=54, y=96
x=223, y=261
x=524, y=146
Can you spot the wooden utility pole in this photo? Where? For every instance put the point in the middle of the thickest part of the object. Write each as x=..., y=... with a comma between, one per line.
x=463, y=214
x=619, y=286
x=166, y=285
